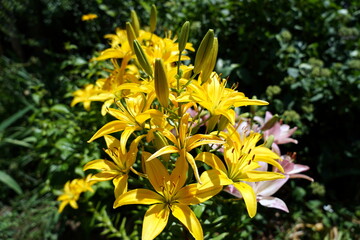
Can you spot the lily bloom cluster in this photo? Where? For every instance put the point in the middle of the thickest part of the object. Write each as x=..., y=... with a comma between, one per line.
x=159, y=135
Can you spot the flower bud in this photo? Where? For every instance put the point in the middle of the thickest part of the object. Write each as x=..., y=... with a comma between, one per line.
x=211, y=123
x=130, y=35
x=223, y=122
x=184, y=36
x=269, y=124
x=142, y=59
x=161, y=83
x=159, y=142
x=153, y=18
x=135, y=22
x=269, y=141
x=210, y=64
x=203, y=53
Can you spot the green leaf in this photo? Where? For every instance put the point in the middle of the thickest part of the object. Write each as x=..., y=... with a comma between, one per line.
x=7, y=122
x=8, y=180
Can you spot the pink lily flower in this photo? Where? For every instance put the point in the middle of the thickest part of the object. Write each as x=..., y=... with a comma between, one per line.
x=281, y=132
x=264, y=190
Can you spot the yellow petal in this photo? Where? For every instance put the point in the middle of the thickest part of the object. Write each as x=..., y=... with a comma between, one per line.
x=73, y=204
x=138, y=196
x=179, y=174
x=245, y=101
x=155, y=220
x=157, y=173
x=249, y=197
x=110, y=53
x=100, y=164
x=152, y=113
x=104, y=176
x=188, y=218
x=213, y=178
x=257, y=176
x=121, y=185
x=162, y=151
x=62, y=206
x=125, y=136
x=192, y=194
x=111, y=127
x=228, y=113
x=192, y=163
x=212, y=160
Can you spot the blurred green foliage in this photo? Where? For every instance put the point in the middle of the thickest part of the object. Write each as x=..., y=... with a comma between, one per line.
x=302, y=56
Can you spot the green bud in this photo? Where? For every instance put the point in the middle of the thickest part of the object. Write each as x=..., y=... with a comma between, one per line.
x=204, y=51
x=184, y=36
x=160, y=141
x=210, y=64
x=135, y=22
x=269, y=124
x=213, y=120
x=269, y=141
x=153, y=18
x=130, y=35
x=142, y=59
x=223, y=122
x=161, y=83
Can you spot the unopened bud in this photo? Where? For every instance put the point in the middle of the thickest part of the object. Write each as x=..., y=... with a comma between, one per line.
x=142, y=59
x=223, y=122
x=130, y=35
x=211, y=123
x=184, y=36
x=135, y=22
x=161, y=83
x=269, y=124
x=210, y=64
x=159, y=142
x=204, y=51
x=269, y=141
x=153, y=18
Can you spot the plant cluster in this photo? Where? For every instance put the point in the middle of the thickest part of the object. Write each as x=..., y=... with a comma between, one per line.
x=181, y=138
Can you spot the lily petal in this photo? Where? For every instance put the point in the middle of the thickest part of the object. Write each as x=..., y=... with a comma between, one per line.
x=273, y=202
x=162, y=151
x=100, y=164
x=157, y=173
x=111, y=127
x=188, y=218
x=212, y=160
x=121, y=185
x=155, y=220
x=249, y=197
x=138, y=196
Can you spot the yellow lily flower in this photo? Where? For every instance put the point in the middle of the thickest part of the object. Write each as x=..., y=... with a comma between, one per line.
x=84, y=95
x=217, y=98
x=184, y=143
x=131, y=117
x=72, y=191
x=118, y=169
x=241, y=161
x=170, y=196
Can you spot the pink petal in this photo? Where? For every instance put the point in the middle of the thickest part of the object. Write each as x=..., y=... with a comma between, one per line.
x=268, y=188
x=273, y=202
